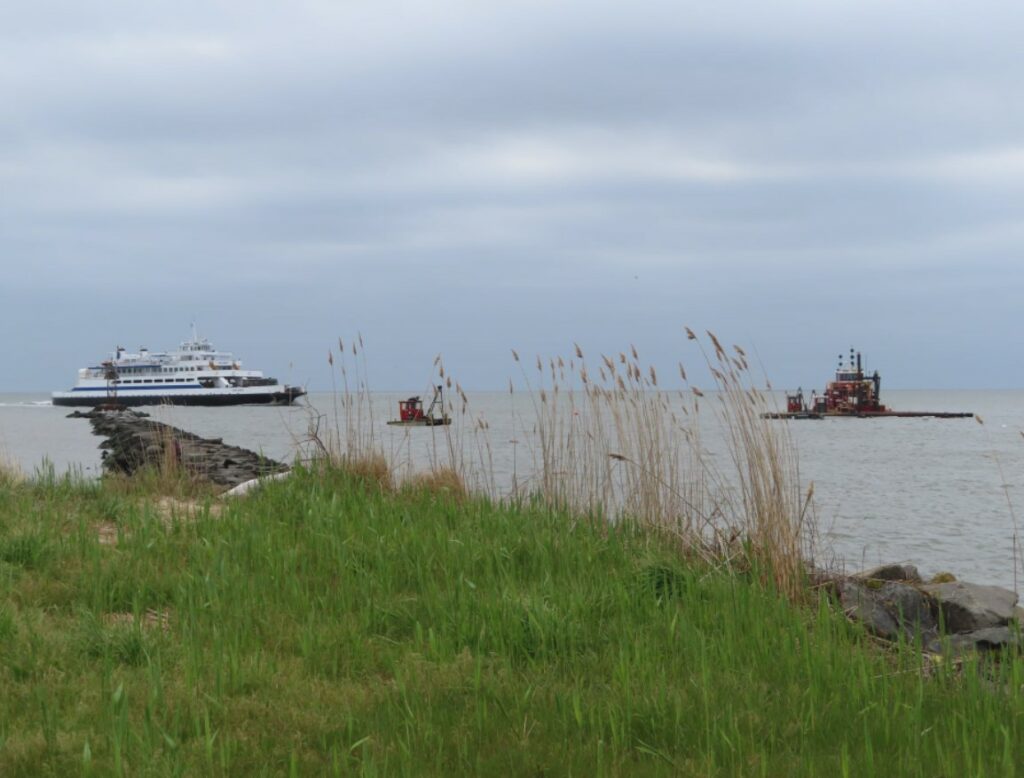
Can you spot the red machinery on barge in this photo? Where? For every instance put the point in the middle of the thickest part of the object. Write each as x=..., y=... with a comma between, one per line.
x=411, y=413
x=852, y=393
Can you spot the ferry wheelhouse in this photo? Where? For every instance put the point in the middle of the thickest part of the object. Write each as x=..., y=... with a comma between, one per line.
x=195, y=374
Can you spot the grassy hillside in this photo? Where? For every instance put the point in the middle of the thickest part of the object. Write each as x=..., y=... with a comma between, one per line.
x=324, y=626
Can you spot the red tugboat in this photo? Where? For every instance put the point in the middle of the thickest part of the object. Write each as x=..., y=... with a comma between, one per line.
x=852, y=393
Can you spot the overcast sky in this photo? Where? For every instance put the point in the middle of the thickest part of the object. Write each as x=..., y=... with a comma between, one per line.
x=469, y=177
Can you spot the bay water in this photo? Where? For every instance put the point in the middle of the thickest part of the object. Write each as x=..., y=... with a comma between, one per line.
x=940, y=493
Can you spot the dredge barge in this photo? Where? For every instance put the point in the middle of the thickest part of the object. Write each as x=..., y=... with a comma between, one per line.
x=851, y=394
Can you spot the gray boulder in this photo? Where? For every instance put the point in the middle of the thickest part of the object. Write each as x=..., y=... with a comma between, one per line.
x=891, y=573
x=890, y=610
x=968, y=607
x=988, y=639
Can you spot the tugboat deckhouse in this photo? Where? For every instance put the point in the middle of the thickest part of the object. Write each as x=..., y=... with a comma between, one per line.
x=195, y=374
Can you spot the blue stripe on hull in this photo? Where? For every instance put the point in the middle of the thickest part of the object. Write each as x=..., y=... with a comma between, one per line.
x=280, y=397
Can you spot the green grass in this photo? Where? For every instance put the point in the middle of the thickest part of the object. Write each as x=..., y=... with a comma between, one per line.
x=321, y=627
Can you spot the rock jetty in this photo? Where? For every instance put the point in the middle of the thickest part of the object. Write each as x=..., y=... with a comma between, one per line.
x=134, y=441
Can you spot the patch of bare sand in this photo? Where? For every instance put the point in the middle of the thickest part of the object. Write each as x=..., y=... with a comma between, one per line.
x=107, y=533
x=168, y=508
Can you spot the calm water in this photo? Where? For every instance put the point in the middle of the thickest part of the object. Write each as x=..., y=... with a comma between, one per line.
x=932, y=492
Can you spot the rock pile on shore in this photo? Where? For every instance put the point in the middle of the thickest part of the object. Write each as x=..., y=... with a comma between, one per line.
x=134, y=441
x=894, y=603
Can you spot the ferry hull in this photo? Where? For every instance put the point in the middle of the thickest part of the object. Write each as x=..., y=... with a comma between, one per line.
x=278, y=397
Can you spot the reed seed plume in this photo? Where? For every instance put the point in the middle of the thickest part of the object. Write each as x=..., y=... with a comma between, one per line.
x=350, y=442
x=11, y=473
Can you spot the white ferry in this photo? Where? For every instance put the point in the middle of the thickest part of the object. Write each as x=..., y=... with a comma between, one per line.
x=195, y=374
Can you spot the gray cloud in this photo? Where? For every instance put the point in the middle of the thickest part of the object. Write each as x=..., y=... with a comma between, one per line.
x=467, y=177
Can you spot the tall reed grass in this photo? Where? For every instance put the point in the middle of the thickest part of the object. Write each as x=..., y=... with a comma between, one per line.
x=610, y=442
x=346, y=436
x=607, y=441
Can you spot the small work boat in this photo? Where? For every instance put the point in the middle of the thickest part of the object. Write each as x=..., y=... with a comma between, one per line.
x=411, y=413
